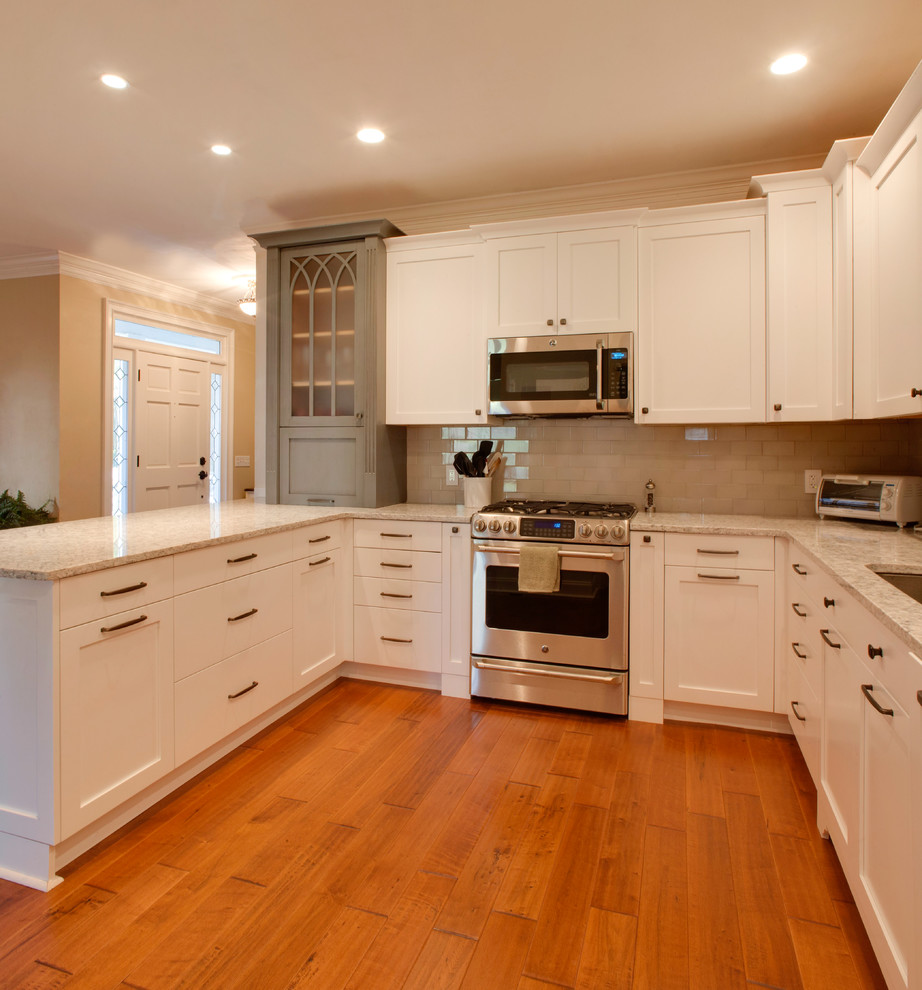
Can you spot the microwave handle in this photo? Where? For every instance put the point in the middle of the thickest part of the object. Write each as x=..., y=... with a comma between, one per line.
x=599, y=402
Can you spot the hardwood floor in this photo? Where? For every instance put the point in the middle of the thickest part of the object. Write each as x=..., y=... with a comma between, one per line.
x=383, y=838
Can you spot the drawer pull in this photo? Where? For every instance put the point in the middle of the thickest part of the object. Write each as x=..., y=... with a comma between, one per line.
x=721, y=577
x=123, y=625
x=797, y=653
x=123, y=591
x=867, y=691
x=829, y=603
x=919, y=697
x=721, y=553
x=243, y=615
x=239, y=694
x=314, y=563
x=391, y=594
x=797, y=715
x=828, y=641
x=398, y=536
x=875, y=651
x=797, y=611
x=408, y=567
x=240, y=560
x=394, y=639
x=319, y=539
x=798, y=569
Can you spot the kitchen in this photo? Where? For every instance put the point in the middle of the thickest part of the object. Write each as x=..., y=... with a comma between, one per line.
x=550, y=466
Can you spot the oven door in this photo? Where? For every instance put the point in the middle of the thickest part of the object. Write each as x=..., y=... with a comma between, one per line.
x=584, y=624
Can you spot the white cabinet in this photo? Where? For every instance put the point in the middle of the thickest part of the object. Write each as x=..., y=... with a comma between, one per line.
x=646, y=626
x=560, y=281
x=436, y=347
x=888, y=259
x=700, y=349
x=456, y=609
x=116, y=690
x=719, y=635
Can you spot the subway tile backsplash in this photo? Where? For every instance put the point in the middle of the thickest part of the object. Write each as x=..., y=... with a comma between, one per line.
x=740, y=469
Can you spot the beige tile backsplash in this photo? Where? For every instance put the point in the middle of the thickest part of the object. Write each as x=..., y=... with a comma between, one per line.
x=733, y=469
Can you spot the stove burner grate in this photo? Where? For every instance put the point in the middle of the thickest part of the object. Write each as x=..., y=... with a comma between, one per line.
x=539, y=507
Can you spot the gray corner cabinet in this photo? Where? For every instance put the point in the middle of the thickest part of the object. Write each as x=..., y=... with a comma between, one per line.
x=327, y=442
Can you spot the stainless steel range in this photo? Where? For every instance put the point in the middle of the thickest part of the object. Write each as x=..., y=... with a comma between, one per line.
x=565, y=644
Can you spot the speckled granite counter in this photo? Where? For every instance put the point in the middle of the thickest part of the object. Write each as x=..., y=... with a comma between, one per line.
x=60, y=550
x=847, y=550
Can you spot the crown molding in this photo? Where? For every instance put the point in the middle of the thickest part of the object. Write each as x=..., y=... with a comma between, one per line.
x=61, y=263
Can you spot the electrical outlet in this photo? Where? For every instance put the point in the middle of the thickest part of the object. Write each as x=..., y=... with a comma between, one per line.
x=451, y=476
x=812, y=480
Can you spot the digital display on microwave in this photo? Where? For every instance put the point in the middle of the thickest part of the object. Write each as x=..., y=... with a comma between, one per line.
x=618, y=355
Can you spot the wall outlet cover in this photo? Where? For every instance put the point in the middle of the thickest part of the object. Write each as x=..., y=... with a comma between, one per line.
x=241, y=460
x=812, y=480
x=451, y=477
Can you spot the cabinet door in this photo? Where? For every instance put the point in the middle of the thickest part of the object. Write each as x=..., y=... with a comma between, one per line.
x=436, y=349
x=803, y=356
x=719, y=637
x=701, y=345
x=520, y=286
x=322, y=615
x=597, y=280
x=116, y=711
x=456, y=609
x=888, y=290
x=322, y=466
x=646, y=618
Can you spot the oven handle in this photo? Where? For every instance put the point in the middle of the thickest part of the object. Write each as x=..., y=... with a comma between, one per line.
x=585, y=554
x=480, y=665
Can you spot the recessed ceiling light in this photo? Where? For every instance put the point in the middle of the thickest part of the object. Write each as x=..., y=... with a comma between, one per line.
x=370, y=135
x=113, y=81
x=788, y=64
x=220, y=149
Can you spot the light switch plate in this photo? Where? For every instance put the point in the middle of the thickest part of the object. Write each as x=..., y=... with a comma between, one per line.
x=241, y=460
x=812, y=480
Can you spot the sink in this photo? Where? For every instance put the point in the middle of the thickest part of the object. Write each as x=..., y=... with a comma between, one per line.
x=909, y=584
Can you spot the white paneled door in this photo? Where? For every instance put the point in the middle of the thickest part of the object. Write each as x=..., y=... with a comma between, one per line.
x=173, y=409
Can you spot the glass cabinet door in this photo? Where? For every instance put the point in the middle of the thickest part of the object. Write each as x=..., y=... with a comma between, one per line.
x=318, y=311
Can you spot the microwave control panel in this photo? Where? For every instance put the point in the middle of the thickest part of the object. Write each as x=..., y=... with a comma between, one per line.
x=616, y=385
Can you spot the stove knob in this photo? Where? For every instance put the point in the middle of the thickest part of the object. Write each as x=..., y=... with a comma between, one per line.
x=495, y=526
x=601, y=532
x=480, y=525
x=617, y=531
x=585, y=530
x=509, y=525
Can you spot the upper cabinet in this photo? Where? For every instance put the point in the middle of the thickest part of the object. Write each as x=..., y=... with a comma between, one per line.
x=888, y=262
x=700, y=350
x=542, y=278
x=436, y=350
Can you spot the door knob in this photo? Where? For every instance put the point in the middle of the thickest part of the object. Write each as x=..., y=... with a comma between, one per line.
x=203, y=475
x=201, y=461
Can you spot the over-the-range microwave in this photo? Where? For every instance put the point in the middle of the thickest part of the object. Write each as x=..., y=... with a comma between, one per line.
x=878, y=498
x=567, y=375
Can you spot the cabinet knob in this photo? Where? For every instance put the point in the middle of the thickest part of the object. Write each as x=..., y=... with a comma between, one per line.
x=915, y=392
x=476, y=412
x=874, y=651
x=550, y=323
x=563, y=323
x=777, y=407
x=645, y=410
x=829, y=602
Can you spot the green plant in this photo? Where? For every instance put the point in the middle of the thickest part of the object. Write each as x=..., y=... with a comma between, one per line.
x=15, y=512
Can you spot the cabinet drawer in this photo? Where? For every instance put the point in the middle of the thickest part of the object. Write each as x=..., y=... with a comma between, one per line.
x=407, y=565
x=719, y=550
x=398, y=638
x=224, y=561
x=85, y=597
x=399, y=535
x=421, y=596
x=804, y=714
x=223, y=619
x=317, y=538
x=216, y=701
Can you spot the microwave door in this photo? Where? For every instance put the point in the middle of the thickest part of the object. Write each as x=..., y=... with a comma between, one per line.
x=536, y=383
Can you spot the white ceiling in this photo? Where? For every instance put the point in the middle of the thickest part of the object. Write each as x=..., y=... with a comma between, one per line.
x=478, y=98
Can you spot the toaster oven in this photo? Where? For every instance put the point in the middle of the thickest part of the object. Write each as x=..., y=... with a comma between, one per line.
x=889, y=498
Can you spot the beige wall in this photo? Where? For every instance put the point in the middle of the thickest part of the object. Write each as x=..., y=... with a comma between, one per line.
x=737, y=469
x=29, y=387
x=82, y=314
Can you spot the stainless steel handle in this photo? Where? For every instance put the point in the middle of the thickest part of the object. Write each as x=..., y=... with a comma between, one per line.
x=123, y=591
x=797, y=653
x=401, y=536
x=866, y=690
x=828, y=641
x=243, y=615
x=314, y=563
x=720, y=553
x=246, y=690
x=797, y=715
x=583, y=554
x=797, y=569
x=391, y=594
x=394, y=639
x=608, y=679
x=123, y=625
x=721, y=577
x=797, y=611
x=240, y=560
x=406, y=567
x=320, y=539
x=599, y=404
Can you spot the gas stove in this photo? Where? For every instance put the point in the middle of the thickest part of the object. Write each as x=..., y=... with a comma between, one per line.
x=552, y=521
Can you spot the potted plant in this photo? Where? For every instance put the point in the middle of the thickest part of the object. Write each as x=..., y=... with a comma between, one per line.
x=15, y=511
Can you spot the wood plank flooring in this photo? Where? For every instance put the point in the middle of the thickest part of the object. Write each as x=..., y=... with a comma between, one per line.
x=385, y=838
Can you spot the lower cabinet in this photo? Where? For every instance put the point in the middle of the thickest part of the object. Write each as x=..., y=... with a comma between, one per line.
x=322, y=619
x=116, y=711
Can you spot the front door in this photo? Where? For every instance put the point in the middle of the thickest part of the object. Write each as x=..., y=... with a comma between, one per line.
x=173, y=408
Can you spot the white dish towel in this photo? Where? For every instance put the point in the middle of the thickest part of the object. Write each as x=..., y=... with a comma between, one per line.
x=539, y=568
